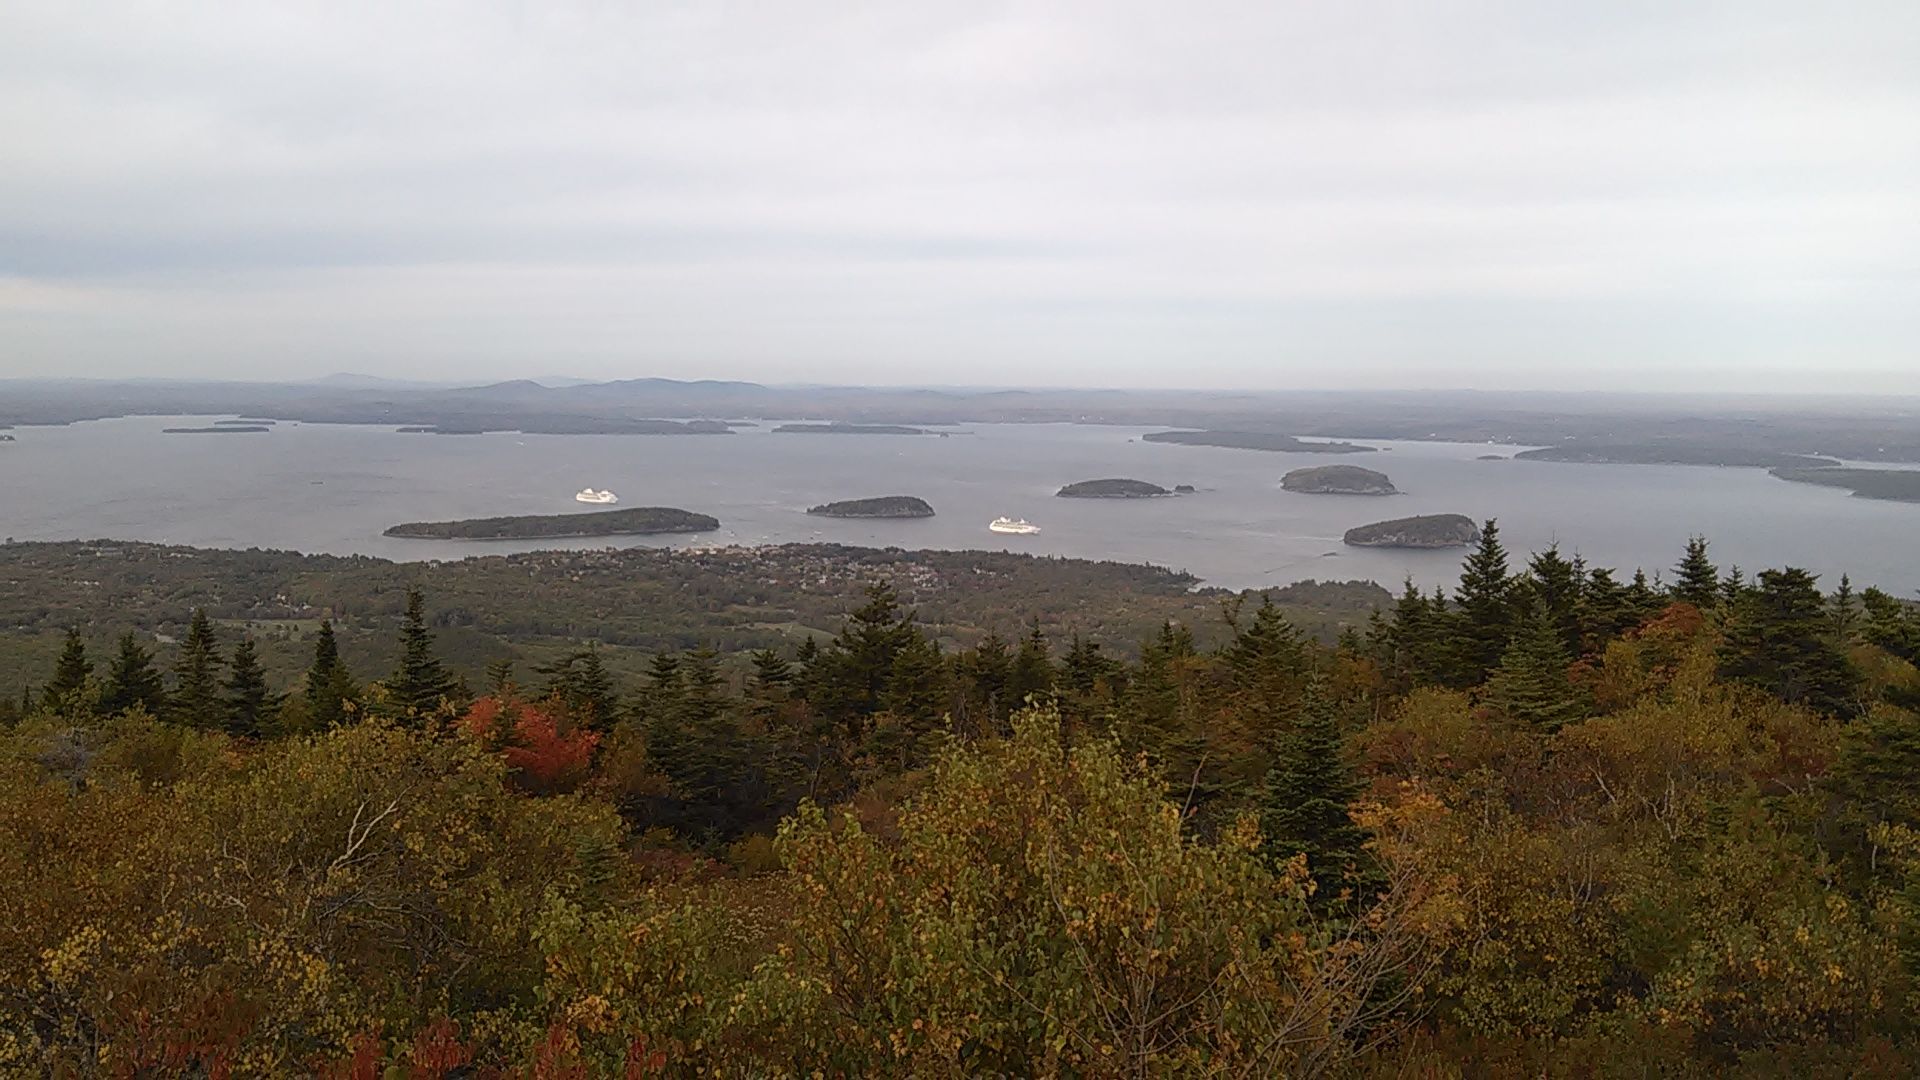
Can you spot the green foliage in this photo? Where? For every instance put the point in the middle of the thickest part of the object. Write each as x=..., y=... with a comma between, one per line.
x=132, y=681
x=420, y=686
x=197, y=700
x=1483, y=609
x=1307, y=801
x=249, y=703
x=1778, y=639
x=1531, y=687
x=67, y=690
x=1696, y=579
x=328, y=689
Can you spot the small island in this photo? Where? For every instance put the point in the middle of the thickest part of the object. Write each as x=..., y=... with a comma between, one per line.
x=1184, y=489
x=1338, y=480
x=1491, y=457
x=220, y=429
x=1112, y=489
x=885, y=506
x=1898, y=485
x=1425, y=531
x=1255, y=440
x=255, y=423
x=636, y=521
x=837, y=428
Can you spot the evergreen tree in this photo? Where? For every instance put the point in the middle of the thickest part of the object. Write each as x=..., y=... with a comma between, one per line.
x=1733, y=588
x=984, y=672
x=248, y=700
x=67, y=690
x=1031, y=677
x=1088, y=681
x=1419, y=639
x=1557, y=587
x=133, y=681
x=580, y=682
x=1642, y=598
x=329, y=687
x=1846, y=615
x=420, y=684
x=197, y=698
x=1697, y=580
x=1483, y=620
x=1531, y=686
x=849, y=678
x=660, y=695
x=1306, y=799
x=1779, y=640
x=500, y=683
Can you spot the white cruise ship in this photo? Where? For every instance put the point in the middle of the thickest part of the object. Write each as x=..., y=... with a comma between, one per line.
x=1017, y=526
x=588, y=495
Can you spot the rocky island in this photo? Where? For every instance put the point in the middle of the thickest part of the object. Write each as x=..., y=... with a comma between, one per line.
x=635, y=521
x=1338, y=480
x=837, y=428
x=1112, y=489
x=1254, y=440
x=885, y=506
x=1425, y=531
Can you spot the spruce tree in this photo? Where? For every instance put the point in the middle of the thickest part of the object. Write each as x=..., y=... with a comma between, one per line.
x=1779, y=639
x=1846, y=614
x=1558, y=587
x=1032, y=675
x=420, y=684
x=499, y=676
x=1483, y=605
x=1531, y=686
x=1697, y=580
x=197, y=699
x=1306, y=799
x=249, y=703
x=67, y=690
x=328, y=688
x=133, y=681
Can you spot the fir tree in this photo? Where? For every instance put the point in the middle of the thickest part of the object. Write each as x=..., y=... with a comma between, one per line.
x=248, y=700
x=1306, y=798
x=328, y=688
x=1531, y=686
x=1697, y=580
x=197, y=699
x=420, y=684
x=580, y=682
x=1483, y=604
x=1779, y=639
x=1846, y=615
x=133, y=681
x=67, y=690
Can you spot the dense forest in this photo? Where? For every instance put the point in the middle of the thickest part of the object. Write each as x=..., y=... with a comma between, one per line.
x=1552, y=821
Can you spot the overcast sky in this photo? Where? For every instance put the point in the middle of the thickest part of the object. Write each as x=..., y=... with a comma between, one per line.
x=1500, y=195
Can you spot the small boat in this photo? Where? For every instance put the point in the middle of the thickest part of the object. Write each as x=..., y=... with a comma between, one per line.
x=1016, y=526
x=588, y=495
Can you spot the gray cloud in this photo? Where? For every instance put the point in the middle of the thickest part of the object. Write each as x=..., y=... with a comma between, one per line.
x=1506, y=194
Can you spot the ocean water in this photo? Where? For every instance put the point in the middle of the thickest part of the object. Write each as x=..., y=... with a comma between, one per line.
x=333, y=488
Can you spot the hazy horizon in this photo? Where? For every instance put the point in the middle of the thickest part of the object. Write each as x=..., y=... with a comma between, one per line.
x=1221, y=197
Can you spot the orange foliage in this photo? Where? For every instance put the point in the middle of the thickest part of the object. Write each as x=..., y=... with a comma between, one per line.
x=547, y=753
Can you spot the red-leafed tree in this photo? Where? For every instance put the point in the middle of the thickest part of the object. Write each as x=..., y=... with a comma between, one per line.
x=547, y=752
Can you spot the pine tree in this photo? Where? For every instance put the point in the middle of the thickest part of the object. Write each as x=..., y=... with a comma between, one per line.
x=1846, y=616
x=1779, y=639
x=984, y=672
x=420, y=684
x=1642, y=598
x=197, y=699
x=329, y=687
x=580, y=682
x=1531, y=686
x=1697, y=580
x=1483, y=606
x=133, y=681
x=1733, y=588
x=67, y=690
x=1306, y=799
x=248, y=700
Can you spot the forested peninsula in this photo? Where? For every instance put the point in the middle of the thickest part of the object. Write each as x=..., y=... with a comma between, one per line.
x=1254, y=440
x=633, y=521
x=1899, y=485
